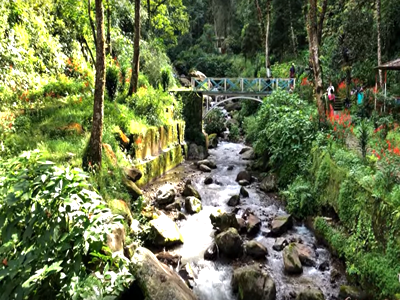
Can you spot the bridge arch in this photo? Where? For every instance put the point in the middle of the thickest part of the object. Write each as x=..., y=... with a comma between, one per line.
x=229, y=99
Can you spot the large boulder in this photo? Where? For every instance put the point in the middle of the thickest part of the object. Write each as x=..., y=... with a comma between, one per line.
x=223, y=220
x=120, y=207
x=310, y=294
x=196, y=152
x=234, y=200
x=208, y=163
x=133, y=189
x=253, y=224
x=252, y=283
x=306, y=255
x=249, y=155
x=192, y=205
x=208, y=180
x=243, y=175
x=165, y=195
x=190, y=191
x=269, y=184
x=245, y=149
x=116, y=238
x=243, y=192
x=354, y=293
x=291, y=260
x=230, y=243
x=133, y=173
x=255, y=250
x=169, y=259
x=156, y=280
x=211, y=253
x=281, y=224
x=166, y=233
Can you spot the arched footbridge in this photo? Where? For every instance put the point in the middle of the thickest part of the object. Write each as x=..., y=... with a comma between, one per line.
x=217, y=91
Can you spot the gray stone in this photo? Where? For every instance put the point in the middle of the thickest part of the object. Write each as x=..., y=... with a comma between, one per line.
x=234, y=200
x=252, y=283
x=243, y=192
x=196, y=152
x=208, y=163
x=244, y=182
x=281, y=224
x=255, y=250
x=157, y=280
x=280, y=243
x=211, y=253
x=310, y=294
x=245, y=149
x=291, y=260
x=190, y=191
x=243, y=175
x=208, y=180
x=306, y=255
x=116, y=238
x=269, y=184
x=133, y=189
x=192, y=205
x=166, y=233
x=223, y=220
x=253, y=224
x=165, y=195
x=230, y=243
x=204, y=169
x=230, y=168
x=242, y=225
x=133, y=173
x=174, y=206
x=248, y=155
x=169, y=259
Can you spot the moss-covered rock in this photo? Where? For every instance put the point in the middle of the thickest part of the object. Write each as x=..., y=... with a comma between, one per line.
x=252, y=283
x=243, y=192
x=133, y=189
x=234, y=200
x=230, y=243
x=306, y=255
x=165, y=232
x=156, y=280
x=190, y=191
x=223, y=220
x=291, y=260
x=207, y=162
x=192, y=205
x=310, y=294
x=255, y=250
x=253, y=224
x=281, y=224
x=165, y=195
x=351, y=292
x=212, y=141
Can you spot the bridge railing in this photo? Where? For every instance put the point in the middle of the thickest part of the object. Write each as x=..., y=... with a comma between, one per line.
x=241, y=85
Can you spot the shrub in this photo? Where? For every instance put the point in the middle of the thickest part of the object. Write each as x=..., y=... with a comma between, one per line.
x=214, y=122
x=234, y=133
x=299, y=198
x=112, y=78
x=53, y=234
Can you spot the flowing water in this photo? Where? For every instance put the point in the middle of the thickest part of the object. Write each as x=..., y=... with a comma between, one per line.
x=213, y=279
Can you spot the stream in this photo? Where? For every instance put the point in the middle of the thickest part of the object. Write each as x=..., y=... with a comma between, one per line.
x=213, y=279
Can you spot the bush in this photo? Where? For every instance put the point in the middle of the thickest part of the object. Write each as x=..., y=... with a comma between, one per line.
x=234, y=133
x=214, y=122
x=112, y=78
x=299, y=198
x=53, y=234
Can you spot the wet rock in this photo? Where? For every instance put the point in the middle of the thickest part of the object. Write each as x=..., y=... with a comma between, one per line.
x=244, y=149
x=280, y=243
x=133, y=189
x=165, y=195
x=249, y=155
x=208, y=180
x=204, y=169
x=335, y=275
x=324, y=266
x=207, y=163
x=133, y=173
x=242, y=225
x=196, y=152
x=243, y=192
x=165, y=231
x=181, y=216
x=244, y=182
x=230, y=243
x=169, y=258
x=243, y=175
x=223, y=220
x=255, y=250
x=158, y=281
x=173, y=206
x=281, y=224
x=190, y=191
x=212, y=141
x=211, y=253
x=192, y=205
x=253, y=224
x=291, y=260
x=269, y=184
x=310, y=294
x=354, y=293
x=187, y=274
x=234, y=200
x=253, y=283
x=116, y=238
x=306, y=255
x=230, y=168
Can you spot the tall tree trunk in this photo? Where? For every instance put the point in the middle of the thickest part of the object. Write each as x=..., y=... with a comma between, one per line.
x=136, y=48
x=93, y=154
x=312, y=28
x=378, y=25
x=92, y=23
x=109, y=49
x=294, y=43
x=321, y=21
x=267, y=34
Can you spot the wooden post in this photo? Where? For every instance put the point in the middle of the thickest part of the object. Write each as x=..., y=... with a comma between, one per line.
x=224, y=84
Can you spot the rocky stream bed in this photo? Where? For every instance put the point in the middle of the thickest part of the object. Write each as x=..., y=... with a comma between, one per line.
x=233, y=238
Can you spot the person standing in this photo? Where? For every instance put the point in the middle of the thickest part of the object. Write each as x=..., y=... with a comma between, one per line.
x=292, y=71
x=269, y=71
x=331, y=91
